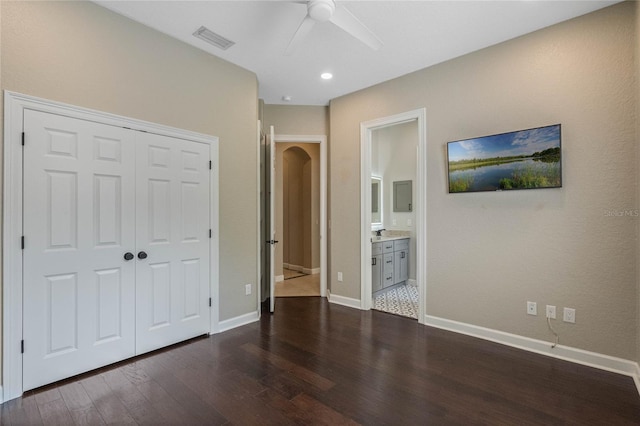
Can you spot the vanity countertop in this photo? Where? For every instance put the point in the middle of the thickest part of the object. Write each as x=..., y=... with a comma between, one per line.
x=382, y=239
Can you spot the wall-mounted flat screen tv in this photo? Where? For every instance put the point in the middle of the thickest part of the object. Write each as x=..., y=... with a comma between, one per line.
x=524, y=159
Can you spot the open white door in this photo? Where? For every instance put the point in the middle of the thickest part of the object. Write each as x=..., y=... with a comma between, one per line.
x=272, y=219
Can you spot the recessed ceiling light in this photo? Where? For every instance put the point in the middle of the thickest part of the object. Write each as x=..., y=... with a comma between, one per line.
x=326, y=76
x=286, y=98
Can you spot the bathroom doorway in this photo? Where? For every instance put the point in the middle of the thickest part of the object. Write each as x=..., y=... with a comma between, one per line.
x=401, y=215
x=393, y=219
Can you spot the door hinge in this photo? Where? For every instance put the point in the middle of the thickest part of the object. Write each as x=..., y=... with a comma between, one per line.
x=209, y=302
x=22, y=138
x=22, y=242
x=209, y=233
x=210, y=164
x=21, y=346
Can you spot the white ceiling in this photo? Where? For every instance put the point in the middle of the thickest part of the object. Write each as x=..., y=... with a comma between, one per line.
x=416, y=34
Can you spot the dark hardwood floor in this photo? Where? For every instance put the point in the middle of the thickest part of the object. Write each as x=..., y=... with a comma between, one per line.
x=316, y=363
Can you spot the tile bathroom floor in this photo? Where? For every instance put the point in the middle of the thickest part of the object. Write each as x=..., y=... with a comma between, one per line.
x=399, y=300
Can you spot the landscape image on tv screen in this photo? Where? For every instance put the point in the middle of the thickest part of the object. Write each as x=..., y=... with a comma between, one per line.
x=524, y=159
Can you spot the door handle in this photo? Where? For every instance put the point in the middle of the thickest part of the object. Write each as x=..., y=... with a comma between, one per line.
x=373, y=261
x=128, y=256
x=142, y=255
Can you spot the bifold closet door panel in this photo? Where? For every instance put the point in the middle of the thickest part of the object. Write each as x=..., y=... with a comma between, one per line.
x=79, y=219
x=172, y=240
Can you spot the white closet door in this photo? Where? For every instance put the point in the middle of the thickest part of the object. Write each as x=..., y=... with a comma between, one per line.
x=172, y=216
x=79, y=218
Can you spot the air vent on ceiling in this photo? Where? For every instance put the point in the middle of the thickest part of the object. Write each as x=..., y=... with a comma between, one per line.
x=217, y=40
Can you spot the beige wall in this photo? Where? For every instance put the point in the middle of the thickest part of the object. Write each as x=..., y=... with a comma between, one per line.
x=489, y=253
x=1, y=201
x=297, y=119
x=294, y=219
x=85, y=55
x=637, y=138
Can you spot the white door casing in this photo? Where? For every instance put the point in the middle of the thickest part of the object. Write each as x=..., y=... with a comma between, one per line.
x=420, y=205
x=78, y=213
x=109, y=183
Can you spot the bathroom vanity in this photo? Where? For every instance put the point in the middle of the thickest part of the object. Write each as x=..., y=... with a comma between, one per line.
x=389, y=261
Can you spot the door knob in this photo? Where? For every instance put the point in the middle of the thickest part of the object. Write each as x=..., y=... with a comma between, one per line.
x=142, y=255
x=128, y=256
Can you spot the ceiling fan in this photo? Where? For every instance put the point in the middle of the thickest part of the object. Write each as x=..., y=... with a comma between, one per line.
x=328, y=10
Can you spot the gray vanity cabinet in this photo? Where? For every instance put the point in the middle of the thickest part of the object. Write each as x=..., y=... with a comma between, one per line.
x=389, y=263
x=376, y=266
x=401, y=261
x=387, y=270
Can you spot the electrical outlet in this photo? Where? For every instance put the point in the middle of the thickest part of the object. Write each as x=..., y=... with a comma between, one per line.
x=247, y=289
x=532, y=308
x=340, y=276
x=395, y=222
x=551, y=311
x=569, y=315
x=409, y=222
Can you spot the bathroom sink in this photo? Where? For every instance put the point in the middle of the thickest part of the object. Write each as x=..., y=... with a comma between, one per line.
x=378, y=239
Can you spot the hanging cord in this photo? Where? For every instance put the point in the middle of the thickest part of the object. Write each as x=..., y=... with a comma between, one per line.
x=554, y=333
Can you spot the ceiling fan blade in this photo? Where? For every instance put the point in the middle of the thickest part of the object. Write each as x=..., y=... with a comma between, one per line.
x=301, y=33
x=349, y=23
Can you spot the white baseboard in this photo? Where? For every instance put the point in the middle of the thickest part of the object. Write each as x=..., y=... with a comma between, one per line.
x=567, y=353
x=344, y=301
x=412, y=282
x=279, y=278
x=296, y=268
x=238, y=321
x=1, y=395
x=636, y=377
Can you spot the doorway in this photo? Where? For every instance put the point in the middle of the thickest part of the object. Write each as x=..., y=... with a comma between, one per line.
x=298, y=219
x=271, y=222
x=393, y=176
x=410, y=218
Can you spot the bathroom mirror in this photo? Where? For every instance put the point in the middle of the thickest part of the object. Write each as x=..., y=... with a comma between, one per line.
x=376, y=201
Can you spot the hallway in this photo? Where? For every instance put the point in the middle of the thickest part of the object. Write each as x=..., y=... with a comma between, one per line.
x=304, y=285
